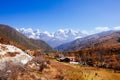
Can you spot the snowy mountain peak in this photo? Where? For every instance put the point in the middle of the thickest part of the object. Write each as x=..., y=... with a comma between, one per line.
x=61, y=31
x=48, y=34
x=53, y=39
x=37, y=31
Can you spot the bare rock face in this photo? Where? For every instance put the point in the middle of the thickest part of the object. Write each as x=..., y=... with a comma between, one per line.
x=13, y=54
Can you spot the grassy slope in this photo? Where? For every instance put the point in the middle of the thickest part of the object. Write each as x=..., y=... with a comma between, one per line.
x=67, y=71
x=76, y=72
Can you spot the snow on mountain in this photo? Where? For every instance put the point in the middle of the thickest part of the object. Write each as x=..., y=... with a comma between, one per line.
x=68, y=34
x=14, y=54
x=53, y=39
x=30, y=33
x=46, y=36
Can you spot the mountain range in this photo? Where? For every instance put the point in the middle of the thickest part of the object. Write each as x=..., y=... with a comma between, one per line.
x=70, y=40
x=53, y=39
x=106, y=38
x=9, y=35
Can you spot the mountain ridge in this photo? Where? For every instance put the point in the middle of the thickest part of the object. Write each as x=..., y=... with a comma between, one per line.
x=103, y=38
x=13, y=37
x=53, y=39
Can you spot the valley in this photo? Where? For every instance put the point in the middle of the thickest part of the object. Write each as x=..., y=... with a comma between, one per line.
x=90, y=59
x=59, y=39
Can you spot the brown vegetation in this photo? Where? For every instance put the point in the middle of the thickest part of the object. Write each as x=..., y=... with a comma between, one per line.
x=11, y=36
x=66, y=71
x=101, y=56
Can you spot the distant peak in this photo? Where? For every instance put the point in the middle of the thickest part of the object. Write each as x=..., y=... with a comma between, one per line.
x=61, y=30
x=60, y=36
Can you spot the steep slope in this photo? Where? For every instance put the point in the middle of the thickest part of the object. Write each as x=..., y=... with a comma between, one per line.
x=12, y=36
x=104, y=38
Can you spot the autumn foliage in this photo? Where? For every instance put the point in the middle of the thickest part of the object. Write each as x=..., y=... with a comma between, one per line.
x=103, y=56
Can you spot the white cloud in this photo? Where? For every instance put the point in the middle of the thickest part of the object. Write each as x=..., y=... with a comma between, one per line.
x=100, y=29
x=116, y=28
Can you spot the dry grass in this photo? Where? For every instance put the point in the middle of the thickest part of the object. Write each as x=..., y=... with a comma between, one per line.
x=92, y=73
x=77, y=72
x=67, y=72
x=58, y=71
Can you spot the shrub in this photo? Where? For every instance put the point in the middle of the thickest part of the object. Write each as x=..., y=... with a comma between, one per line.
x=11, y=71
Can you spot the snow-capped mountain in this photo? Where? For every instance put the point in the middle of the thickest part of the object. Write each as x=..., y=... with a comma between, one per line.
x=67, y=34
x=53, y=39
x=108, y=38
x=30, y=33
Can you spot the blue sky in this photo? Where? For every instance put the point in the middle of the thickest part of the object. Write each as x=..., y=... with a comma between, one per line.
x=51, y=15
